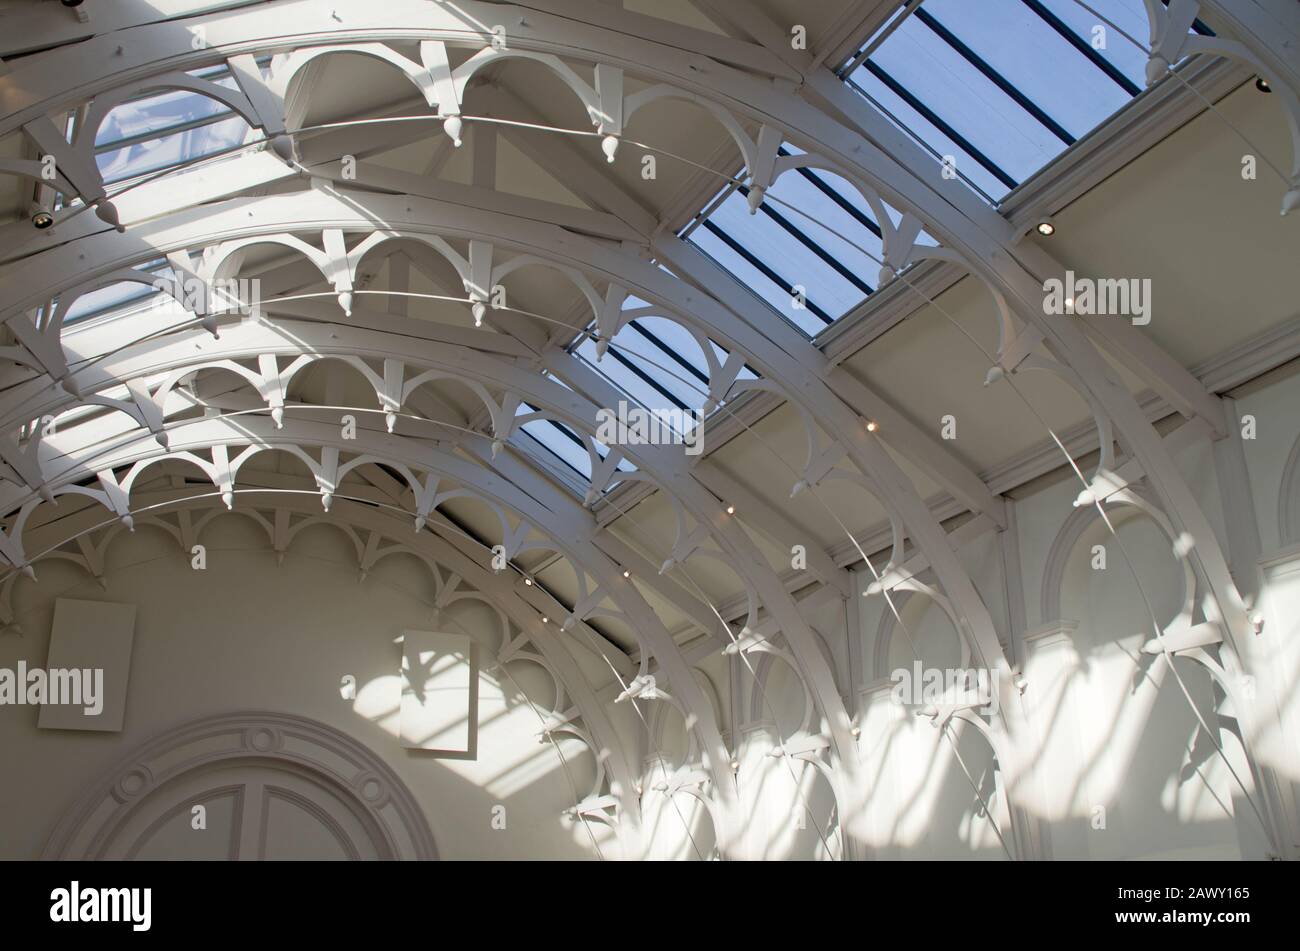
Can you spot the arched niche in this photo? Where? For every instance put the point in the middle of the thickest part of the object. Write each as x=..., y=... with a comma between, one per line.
x=267, y=777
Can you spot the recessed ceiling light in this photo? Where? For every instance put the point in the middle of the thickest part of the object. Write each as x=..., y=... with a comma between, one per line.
x=42, y=220
x=1262, y=85
x=1046, y=229
x=872, y=425
x=731, y=510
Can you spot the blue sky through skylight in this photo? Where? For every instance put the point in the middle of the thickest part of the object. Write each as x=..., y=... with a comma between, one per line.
x=163, y=129
x=655, y=362
x=811, y=251
x=1002, y=86
x=652, y=361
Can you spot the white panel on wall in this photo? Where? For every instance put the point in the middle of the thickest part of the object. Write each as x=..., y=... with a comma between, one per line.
x=92, y=639
x=439, y=693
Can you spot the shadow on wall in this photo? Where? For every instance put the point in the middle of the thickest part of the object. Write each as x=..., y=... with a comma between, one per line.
x=1116, y=763
x=246, y=634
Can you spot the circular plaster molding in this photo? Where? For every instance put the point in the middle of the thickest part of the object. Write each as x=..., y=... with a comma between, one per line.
x=288, y=742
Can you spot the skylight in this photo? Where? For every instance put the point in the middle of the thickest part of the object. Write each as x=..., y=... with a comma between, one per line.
x=159, y=130
x=559, y=445
x=113, y=297
x=143, y=135
x=655, y=362
x=811, y=252
x=1003, y=86
x=997, y=88
x=556, y=442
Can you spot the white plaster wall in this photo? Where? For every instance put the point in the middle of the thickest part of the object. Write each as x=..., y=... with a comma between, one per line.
x=1109, y=735
x=1114, y=762
x=1275, y=404
x=246, y=635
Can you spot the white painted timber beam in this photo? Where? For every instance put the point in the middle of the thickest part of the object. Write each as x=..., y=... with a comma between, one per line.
x=201, y=435
x=667, y=466
x=497, y=588
x=794, y=365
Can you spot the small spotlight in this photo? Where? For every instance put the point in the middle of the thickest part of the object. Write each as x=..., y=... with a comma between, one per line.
x=42, y=220
x=1046, y=228
x=731, y=510
x=872, y=425
x=528, y=581
x=546, y=620
x=1262, y=84
x=627, y=574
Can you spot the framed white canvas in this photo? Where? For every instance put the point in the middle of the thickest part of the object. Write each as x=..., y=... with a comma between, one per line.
x=91, y=636
x=439, y=711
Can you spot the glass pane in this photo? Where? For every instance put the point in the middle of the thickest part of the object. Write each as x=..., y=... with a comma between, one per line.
x=158, y=113
x=114, y=296
x=935, y=140
x=546, y=438
x=650, y=387
x=1018, y=45
x=1004, y=86
x=999, y=132
x=149, y=156
x=783, y=253
x=105, y=299
x=662, y=350
x=776, y=296
x=825, y=222
x=551, y=438
x=1117, y=50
